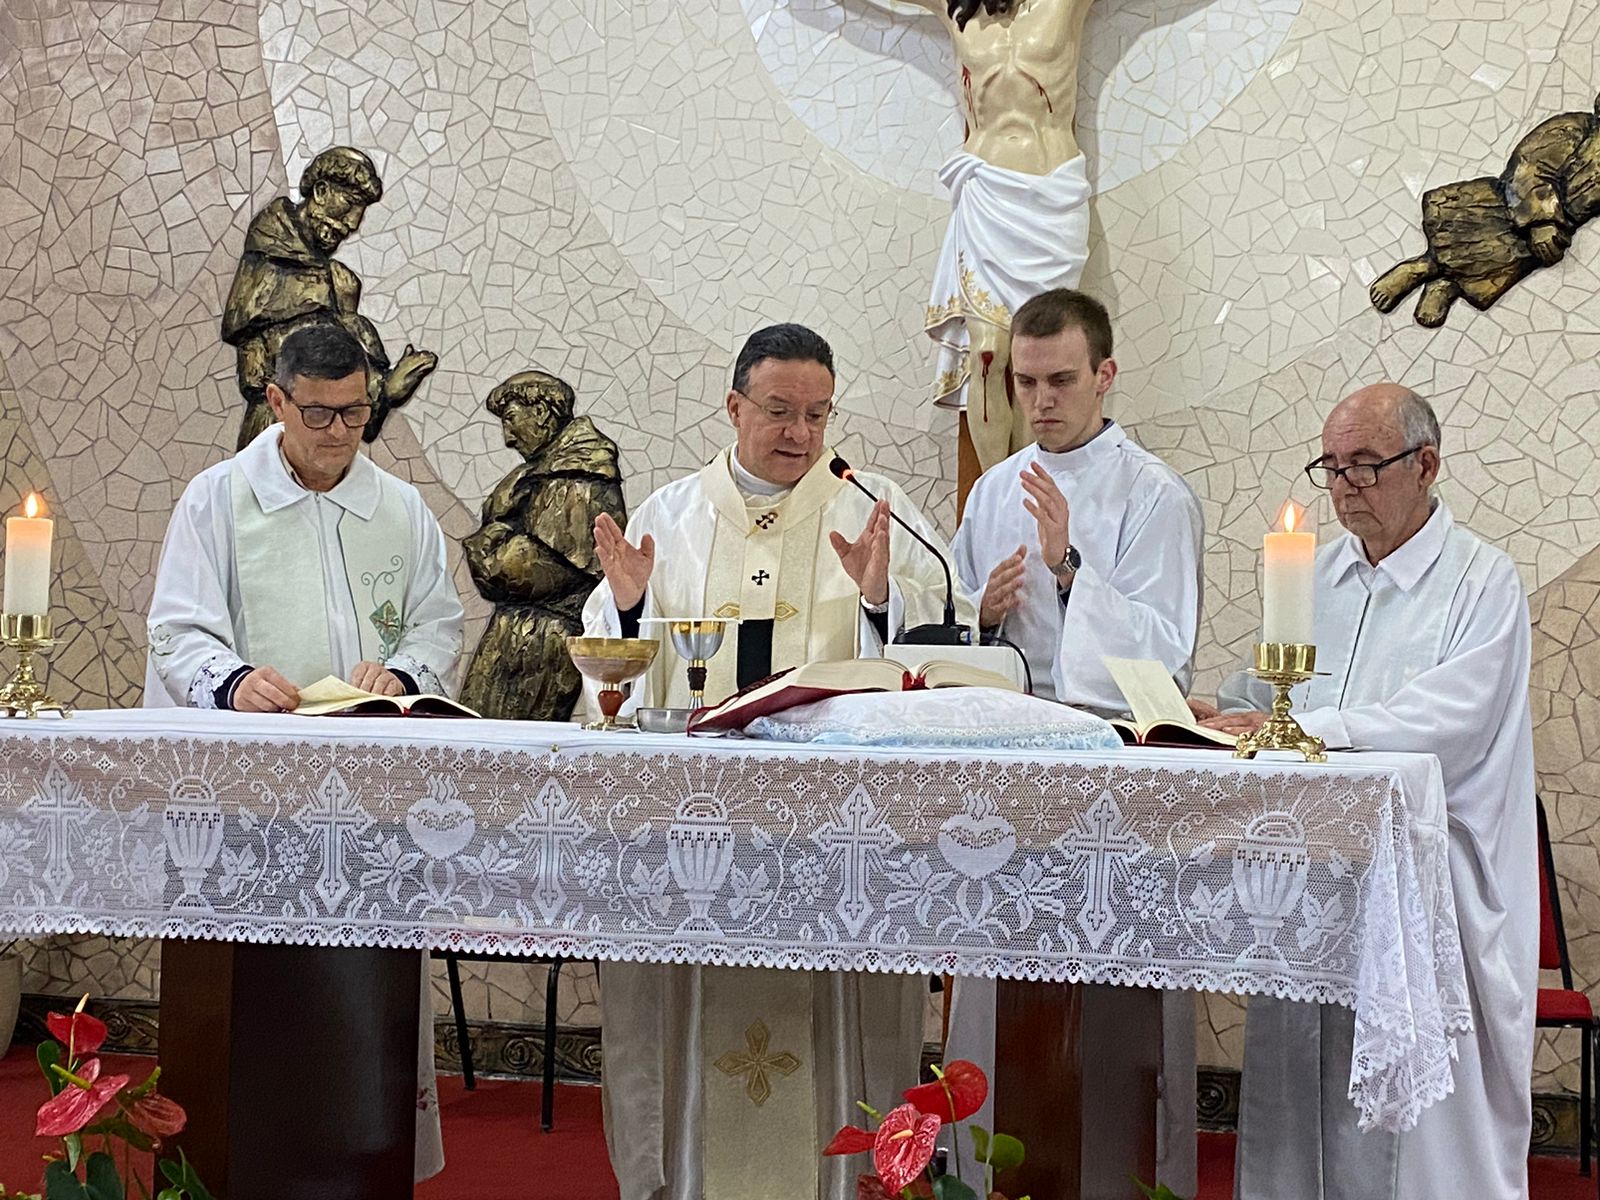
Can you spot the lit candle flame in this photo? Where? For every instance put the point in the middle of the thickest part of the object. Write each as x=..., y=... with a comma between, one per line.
x=31, y=507
x=1291, y=516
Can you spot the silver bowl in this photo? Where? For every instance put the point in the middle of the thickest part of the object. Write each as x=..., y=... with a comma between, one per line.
x=663, y=720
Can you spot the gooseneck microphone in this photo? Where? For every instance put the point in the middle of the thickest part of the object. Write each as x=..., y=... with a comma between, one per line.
x=949, y=633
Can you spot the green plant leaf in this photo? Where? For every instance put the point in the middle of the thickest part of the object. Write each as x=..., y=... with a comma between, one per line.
x=49, y=1055
x=980, y=1142
x=74, y=1144
x=101, y=1181
x=1160, y=1192
x=948, y=1187
x=61, y=1184
x=1006, y=1152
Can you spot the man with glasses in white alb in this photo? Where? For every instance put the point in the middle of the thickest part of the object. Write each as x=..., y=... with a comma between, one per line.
x=296, y=559
x=1424, y=642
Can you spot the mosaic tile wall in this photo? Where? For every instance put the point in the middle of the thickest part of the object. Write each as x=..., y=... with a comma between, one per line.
x=620, y=192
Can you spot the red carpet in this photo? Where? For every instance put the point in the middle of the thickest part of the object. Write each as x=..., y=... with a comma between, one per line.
x=494, y=1150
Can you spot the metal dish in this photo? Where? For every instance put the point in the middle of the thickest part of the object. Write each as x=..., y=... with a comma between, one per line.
x=663, y=720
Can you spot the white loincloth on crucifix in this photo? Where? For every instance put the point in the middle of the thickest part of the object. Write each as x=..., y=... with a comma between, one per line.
x=725, y=1083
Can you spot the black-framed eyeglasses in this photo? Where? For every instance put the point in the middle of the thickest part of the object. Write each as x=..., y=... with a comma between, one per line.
x=1357, y=475
x=320, y=416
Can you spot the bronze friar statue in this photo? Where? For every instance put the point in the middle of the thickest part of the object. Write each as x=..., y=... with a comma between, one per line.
x=1486, y=234
x=534, y=557
x=288, y=278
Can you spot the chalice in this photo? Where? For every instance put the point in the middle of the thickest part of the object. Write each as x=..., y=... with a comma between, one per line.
x=611, y=662
x=696, y=639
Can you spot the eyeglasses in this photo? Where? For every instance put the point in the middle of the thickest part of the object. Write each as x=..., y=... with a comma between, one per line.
x=1357, y=475
x=777, y=414
x=320, y=416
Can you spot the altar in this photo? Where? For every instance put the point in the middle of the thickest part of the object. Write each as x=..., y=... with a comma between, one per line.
x=1139, y=869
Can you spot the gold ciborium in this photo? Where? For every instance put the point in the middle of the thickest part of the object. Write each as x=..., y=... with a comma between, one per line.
x=1283, y=665
x=611, y=662
x=23, y=695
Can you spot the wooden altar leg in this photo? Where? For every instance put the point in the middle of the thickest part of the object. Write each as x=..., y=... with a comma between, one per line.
x=297, y=1065
x=1075, y=1079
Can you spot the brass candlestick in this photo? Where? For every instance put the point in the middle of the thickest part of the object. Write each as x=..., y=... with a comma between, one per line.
x=1282, y=664
x=23, y=695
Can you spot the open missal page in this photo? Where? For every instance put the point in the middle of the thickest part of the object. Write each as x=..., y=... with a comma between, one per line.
x=820, y=680
x=332, y=697
x=1161, y=717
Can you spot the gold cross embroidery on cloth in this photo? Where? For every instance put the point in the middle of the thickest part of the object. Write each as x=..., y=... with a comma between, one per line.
x=755, y=1063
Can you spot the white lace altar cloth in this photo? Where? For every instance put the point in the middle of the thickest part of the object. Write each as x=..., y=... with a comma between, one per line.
x=1180, y=869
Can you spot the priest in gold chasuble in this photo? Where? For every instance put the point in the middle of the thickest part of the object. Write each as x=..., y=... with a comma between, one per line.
x=725, y=1083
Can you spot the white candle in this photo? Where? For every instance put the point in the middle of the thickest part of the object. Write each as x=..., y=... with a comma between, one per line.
x=28, y=561
x=1289, y=558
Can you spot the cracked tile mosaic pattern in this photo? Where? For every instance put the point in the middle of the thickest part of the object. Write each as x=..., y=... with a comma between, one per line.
x=619, y=193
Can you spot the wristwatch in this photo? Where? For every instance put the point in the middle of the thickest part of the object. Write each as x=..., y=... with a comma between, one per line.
x=1069, y=564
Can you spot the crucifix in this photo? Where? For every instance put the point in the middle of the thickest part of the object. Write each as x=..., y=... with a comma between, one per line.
x=1019, y=191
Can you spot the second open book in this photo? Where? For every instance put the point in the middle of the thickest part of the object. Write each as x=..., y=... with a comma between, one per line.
x=331, y=696
x=1161, y=717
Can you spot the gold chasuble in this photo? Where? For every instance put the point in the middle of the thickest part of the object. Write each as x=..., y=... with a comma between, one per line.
x=723, y=1083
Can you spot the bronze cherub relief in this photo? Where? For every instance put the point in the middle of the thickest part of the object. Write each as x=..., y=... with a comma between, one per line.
x=1486, y=234
x=288, y=278
x=534, y=556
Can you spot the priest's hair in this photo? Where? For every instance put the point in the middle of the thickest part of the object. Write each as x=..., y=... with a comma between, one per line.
x=1419, y=425
x=786, y=343
x=318, y=352
x=1048, y=313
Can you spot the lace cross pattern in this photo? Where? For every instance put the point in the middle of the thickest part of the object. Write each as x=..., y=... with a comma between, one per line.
x=1192, y=872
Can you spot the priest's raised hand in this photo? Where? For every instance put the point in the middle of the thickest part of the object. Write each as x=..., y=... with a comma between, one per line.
x=627, y=567
x=866, y=560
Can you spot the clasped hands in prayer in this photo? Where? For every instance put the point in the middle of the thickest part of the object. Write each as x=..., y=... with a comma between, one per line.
x=266, y=690
x=1002, y=593
x=627, y=567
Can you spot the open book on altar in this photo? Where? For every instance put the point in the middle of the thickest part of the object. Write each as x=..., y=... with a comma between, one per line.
x=819, y=680
x=1160, y=715
x=331, y=696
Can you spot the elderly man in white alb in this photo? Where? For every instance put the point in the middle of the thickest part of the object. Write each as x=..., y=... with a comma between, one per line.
x=1085, y=544
x=815, y=571
x=1423, y=630
x=299, y=558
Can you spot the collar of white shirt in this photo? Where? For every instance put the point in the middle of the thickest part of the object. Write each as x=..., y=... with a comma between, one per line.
x=1106, y=442
x=1405, y=566
x=275, y=486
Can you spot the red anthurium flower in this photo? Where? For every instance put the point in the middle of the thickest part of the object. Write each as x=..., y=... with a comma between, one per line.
x=904, y=1146
x=77, y=1104
x=157, y=1116
x=851, y=1140
x=954, y=1098
x=79, y=1032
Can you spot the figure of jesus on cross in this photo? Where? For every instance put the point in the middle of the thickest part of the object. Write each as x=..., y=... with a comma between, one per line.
x=1019, y=221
